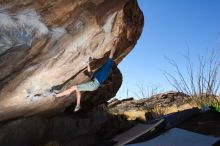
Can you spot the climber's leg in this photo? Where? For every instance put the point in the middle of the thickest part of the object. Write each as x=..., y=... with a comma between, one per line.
x=78, y=98
x=67, y=92
x=89, y=86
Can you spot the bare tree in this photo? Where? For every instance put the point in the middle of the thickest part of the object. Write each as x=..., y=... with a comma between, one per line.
x=144, y=91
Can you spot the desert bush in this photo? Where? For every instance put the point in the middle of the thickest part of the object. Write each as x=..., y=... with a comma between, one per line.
x=113, y=110
x=201, y=83
x=158, y=111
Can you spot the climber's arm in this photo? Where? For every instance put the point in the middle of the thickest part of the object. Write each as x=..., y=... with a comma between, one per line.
x=89, y=67
x=113, y=46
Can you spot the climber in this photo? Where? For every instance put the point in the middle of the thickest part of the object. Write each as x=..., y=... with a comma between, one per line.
x=97, y=78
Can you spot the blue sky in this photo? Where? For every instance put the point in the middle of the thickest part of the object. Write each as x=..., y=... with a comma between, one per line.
x=170, y=28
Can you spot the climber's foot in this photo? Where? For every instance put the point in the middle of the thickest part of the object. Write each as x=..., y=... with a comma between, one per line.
x=37, y=94
x=77, y=108
x=56, y=91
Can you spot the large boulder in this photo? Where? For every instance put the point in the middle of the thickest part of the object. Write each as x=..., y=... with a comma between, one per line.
x=44, y=44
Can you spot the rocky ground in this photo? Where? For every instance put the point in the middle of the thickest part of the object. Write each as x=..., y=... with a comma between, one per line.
x=141, y=110
x=157, y=105
x=95, y=126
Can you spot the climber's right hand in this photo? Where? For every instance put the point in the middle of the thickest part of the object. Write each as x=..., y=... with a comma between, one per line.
x=90, y=59
x=115, y=41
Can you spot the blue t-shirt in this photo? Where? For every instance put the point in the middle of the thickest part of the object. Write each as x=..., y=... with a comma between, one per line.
x=103, y=72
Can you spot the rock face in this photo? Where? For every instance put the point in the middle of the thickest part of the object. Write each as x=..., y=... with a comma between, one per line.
x=44, y=44
x=166, y=99
x=84, y=129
